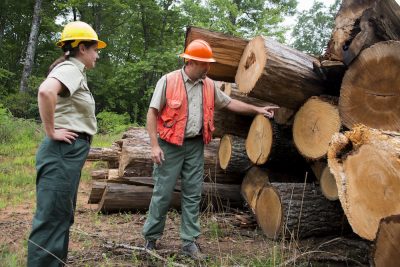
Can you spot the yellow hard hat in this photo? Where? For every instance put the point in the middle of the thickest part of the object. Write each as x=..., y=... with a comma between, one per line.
x=79, y=31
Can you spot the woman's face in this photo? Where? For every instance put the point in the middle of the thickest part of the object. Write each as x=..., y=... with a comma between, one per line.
x=89, y=55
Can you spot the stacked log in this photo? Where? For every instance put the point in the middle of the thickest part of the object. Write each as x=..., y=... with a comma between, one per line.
x=129, y=187
x=386, y=249
x=298, y=175
x=370, y=93
x=227, y=50
x=366, y=166
x=277, y=73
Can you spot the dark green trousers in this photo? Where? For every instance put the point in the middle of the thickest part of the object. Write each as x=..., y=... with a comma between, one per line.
x=58, y=166
x=186, y=161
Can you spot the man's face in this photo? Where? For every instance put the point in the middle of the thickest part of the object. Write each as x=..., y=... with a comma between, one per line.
x=200, y=69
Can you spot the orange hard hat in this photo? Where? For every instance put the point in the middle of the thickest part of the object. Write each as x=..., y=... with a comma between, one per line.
x=198, y=50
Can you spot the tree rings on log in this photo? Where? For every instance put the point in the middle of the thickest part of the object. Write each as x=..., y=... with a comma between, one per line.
x=232, y=154
x=314, y=124
x=259, y=140
x=252, y=184
x=370, y=92
x=366, y=166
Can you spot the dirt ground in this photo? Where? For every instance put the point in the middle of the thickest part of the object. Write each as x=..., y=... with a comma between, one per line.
x=115, y=240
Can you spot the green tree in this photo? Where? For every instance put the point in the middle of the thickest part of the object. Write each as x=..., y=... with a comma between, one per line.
x=245, y=18
x=314, y=27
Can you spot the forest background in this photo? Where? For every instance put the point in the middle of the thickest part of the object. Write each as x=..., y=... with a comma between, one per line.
x=144, y=38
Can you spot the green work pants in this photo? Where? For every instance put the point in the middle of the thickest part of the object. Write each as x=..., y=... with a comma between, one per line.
x=186, y=161
x=58, y=166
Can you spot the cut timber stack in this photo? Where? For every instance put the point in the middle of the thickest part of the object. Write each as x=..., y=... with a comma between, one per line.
x=292, y=210
x=366, y=166
x=227, y=50
x=130, y=186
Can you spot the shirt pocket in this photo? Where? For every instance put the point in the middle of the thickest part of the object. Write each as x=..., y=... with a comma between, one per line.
x=83, y=102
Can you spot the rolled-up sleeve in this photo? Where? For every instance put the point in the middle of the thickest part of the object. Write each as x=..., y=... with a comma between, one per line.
x=69, y=75
x=221, y=99
x=158, y=99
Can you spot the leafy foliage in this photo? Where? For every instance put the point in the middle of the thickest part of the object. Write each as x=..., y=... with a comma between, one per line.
x=144, y=38
x=111, y=122
x=314, y=28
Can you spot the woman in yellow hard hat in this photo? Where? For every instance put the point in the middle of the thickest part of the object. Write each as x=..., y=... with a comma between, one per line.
x=66, y=108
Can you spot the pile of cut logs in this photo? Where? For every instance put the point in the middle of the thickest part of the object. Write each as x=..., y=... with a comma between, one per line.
x=330, y=158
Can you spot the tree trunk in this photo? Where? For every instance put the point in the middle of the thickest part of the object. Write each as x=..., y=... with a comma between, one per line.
x=276, y=73
x=386, y=249
x=297, y=210
x=360, y=24
x=227, y=122
x=31, y=49
x=282, y=115
x=254, y=181
x=104, y=154
x=115, y=197
x=314, y=124
x=370, y=92
x=123, y=197
x=366, y=166
x=232, y=154
x=326, y=180
x=227, y=50
x=271, y=144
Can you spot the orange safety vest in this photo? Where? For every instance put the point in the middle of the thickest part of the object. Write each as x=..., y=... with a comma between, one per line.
x=171, y=121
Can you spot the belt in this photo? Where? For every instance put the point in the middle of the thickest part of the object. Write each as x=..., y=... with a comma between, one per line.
x=85, y=137
x=193, y=137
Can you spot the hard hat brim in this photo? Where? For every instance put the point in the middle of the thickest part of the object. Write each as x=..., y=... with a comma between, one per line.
x=100, y=44
x=184, y=55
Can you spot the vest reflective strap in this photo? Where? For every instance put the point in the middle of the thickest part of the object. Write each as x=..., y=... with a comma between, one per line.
x=171, y=123
x=208, y=110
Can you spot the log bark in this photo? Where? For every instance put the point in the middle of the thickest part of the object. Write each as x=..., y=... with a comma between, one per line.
x=123, y=197
x=116, y=197
x=227, y=50
x=360, y=24
x=370, y=92
x=297, y=210
x=110, y=154
x=366, y=166
x=135, y=159
x=282, y=115
x=232, y=154
x=386, y=249
x=314, y=124
x=276, y=73
x=227, y=122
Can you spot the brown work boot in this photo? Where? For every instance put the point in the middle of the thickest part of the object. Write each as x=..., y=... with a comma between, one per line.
x=193, y=250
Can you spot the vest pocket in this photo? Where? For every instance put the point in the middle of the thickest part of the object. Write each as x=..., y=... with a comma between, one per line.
x=171, y=112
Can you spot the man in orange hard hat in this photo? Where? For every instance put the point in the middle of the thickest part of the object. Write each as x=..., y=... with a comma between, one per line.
x=180, y=120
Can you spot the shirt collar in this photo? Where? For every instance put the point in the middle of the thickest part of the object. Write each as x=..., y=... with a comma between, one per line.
x=186, y=77
x=78, y=63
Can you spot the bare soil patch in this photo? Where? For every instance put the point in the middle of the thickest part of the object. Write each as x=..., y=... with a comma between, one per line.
x=107, y=240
